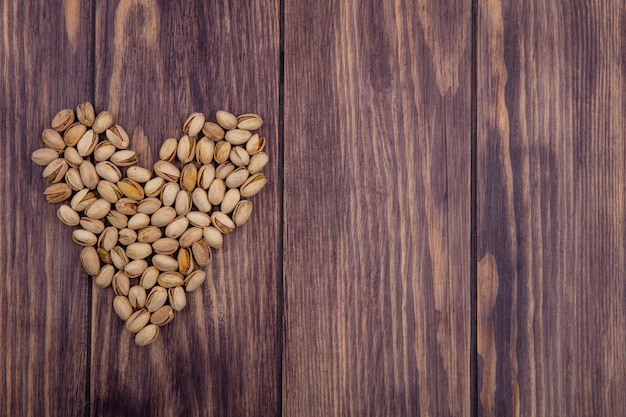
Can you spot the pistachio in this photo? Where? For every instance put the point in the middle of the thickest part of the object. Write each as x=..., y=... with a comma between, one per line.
x=176, y=227
x=90, y=260
x=85, y=113
x=118, y=257
x=127, y=236
x=189, y=176
x=168, y=149
x=222, y=151
x=194, y=280
x=139, y=174
x=94, y=226
x=147, y=335
x=216, y=191
x=88, y=174
x=117, y=219
x=137, y=296
x=237, y=177
x=118, y=137
x=108, y=171
x=120, y=283
x=257, y=162
x=126, y=206
x=44, y=156
x=84, y=237
x=177, y=298
x=73, y=133
x=109, y=191
x=238, y=136
x=170, y=279
x=224, y=170
x=105, y=257
x=138, y=320
x=169, y=193
x=163, y=216
x=201, y=200
x=135, y=267
x=108, y=238
x=149, y=234
x=67, y=215
x=156, y=298
x=213, y=131
x=204, y=150
x=255, y=144
x=198, y=218
x=222, y=222
x=138, y=221
x=253, y=185
x=63, y=119
x=122, y=307
x=206, y=175
x=194, y=124
x=103, y=151
x=55, y=171
x=231, y=198
x=53, y=140
x=124, y=158
x=149, y=205
x=242, y=212
x=226, y=119
x=162, y=316
x=185, y=261
x=103, y=121
x=82, y=200
x=72, y=157
x=189, y=236
x=58, y=192
x=149, y=277
x=167, y=171
x=105, y=277
x=164, y=262
x=99, y=209
x=153, y=187
x=131, y=189
x=87, y=143
x=186, y=151
x=165, y=246
x=249, y=121
x=183, y=202
x=139, y=250
x=214, y=237
x=239, y=156
x=201, y=252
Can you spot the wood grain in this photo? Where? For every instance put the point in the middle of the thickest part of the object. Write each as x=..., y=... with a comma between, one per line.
x=377, y=208
x=44, y=67
x=156, y=62
x=550, y=200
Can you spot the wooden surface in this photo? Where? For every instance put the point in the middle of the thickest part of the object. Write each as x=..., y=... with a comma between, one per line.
x=442, y=233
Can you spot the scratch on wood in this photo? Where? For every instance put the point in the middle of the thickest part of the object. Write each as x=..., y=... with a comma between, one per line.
x=72, y=22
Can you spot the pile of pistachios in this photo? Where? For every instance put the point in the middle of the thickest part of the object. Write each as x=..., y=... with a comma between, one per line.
x=149, y=233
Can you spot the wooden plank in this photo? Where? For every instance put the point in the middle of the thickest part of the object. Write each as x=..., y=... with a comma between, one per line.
x=377, y=208
x=156, y=63
x=45, y=65
x=550, y=199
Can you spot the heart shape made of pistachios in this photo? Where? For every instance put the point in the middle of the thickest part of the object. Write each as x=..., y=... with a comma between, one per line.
x=148, y=234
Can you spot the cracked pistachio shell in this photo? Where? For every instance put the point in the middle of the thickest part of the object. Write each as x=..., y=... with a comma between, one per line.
x=131, y=189
x=153, y=187
x=118, y=257
x=117, y=219
x=149, y=234
x=190, y=235
x=85, y=113
x=72, y=157
x=183, y=202
x=103, y=151
x=82, y=200
x=177, y=227
x=126, y=206
x=87, y=143
x=135, y=267
x=239, y=156
x=103, y=121
x=88, y=174
x=108, y=238
x=138, y=221
x=149, y=277
x=105, y=257
x=73, y=133
x=108, y=171
x=118, y=137
x=94, y=226
x=122, y=307
x=53, y=140
x=98, y=210
x=109, y=191
x=185, y=261
x=164, y=263
x=194, y=124
x=222, y=151
x=201, y=252
x=177, y=298
x=257, y=162
x=188, y=177
x=230, y=200
x=127, y=236
x=216, y=191
x=204, y=150
x=62, y=120
x=237, y=178
x=201, y=200
x=170, y=279
x=44, y=156
x=138, y=250
x=120, y=283
x=222, y=222
x=162, y=316
x=84, y=237
x=194, y=280
x=105, y=277
x=186, y=151
x=163, y=216
x=255, y=144
x=139, y=174
x=156, y=298
x=253, y=185
x=168, y=149
x=90, y=260
x=206, y=175
x=68, y=216
x=147, y=335
x=165, y=246
x=214, y=237
x=242, y=212
x=56, y=170
x=226, y=119
x=169, y=193
x=224, y=170
x=249, y=121
x=138, y=320
x=149, y=205
x=237, y=136
x=167, y=171
x=124, y=158
x=57, y=193
x=213, y=131
x=198, y=218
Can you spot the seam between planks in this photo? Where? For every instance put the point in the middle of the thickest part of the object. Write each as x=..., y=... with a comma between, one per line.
x=281, y=189
x=474, y=216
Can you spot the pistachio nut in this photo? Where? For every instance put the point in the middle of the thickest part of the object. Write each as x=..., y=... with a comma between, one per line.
x=74, y=133
x=72, y=157
x=190, y=235
x=222, y=222
x=257, y=162
x=164, y=263
x=103, y=121
x=90, y=260
x=239, y=156
x=162, y=316
x=149, y=277
x=163, y=216
x=201, y=200
x=139, y=174
x=73, y=179
x=139, y=250
x=117, y=219
x=57, y=193
x=170, y=279
x=230, y=200
x=131, y=189
x=213, y=131
x=216, y=191
x=168, y=149
x=183, y=202
x=189, y=176
x=149, y=205
x=194, y=124
x=138, y=320
x=156, y=298
x=109, y=191
x=118, y=257
x=105, y=277
x=242, y=212
x=85, y=113
x=238, y=136
x=147, y=335
x=108, y=238
x=88, y=174
x=124, y=158
x=255, y=144
x=226, y=119
x=198, y=218
x=249, y=121
x=67, y=215
x=53, y=140
x=204, y=150
x=177, y=298
x=98, y=210
x=105, y=257
x=214, y=237
x=201, y=252
x=108, y=171
x=176, y=227
x=138, y=221
x=185, y=261
x=126, y=206
x=253, y=185
x=237, y=177
x=222, y=151
x=153, y=187
x=137, y=296
x=206, y=175
x=122, y=307
x=82, y=200
x=55, y=171
x=127, y=236
x=84, y=237
x=223, y=170
x=186, y=151
x=120, y=283
x=135, y=267
x=118, y=137
x=149, y=234
x=62, y=120
x=167, y=171
x=94, y=226
x=44, y=156
x=169, y=193
x=194, y=280
x=103, y=151
x=165, y=246
x=87, y=143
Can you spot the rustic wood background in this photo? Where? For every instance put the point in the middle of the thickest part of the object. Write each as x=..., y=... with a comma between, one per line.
x=442, y=234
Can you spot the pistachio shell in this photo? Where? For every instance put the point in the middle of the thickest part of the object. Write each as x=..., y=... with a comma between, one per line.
x=99, y=209
x=108, y=238
x=138, y=321
x=224, y=170
x=165, y=246
x=131, y=189
x=72, y=157
x=222, y=151
x=188, y=177
x=127, y=236
x=149, y=277
x=82, y=199
x=55, y=171
x=170, y=279
x=183, y=202
x=206, y=175
x=118, y=257
x=257, y=162
x=194, y=124
x=108, y=171
x=238, y=136
x=186, y=151
x=163, y=216
x=177, y=227
x=169, y=193
x=156, y=298
x=122, y=307
x=44, y=156
x=124, y=158
x=190, y=235
x=177, y=298
x=90, y=260
x=118, y=137
x=201, y=200
x=237, y=177
x=53, y=140
x=109, y=191
x=105, y=277
x=167, y=171
x=88, y=174
x=204, y=150
x=102, y=122
x=120, y=283
x=194, y=280
x=139, y=174
x=168, y=149
x=185, y=261
x=201, y=252
x=137, y=296
x=226, y=119
x=138, y=221
x=255, y=144
x=84, y=237
x=198, y=218
x=74, y=180
x=216, y=191
x=126, y=206
x=253, y=185
x=153, y=187
x=103, y=151
x=149, y=205
x=85, y=113
x=162, y=316
x=67, y=215
x=149, y=234
x=147, y=335
x=135, y=267
x=94, y=226
x=249, y=121
x=73, y=133
x=62, y=120
x=164, y=262
x=213, y=131
x=138, y=250
x=242, y=212
x=230, y=200
x=222, y=222
x=214, y=237
x=117, y=219
x=239, y=156
x=87, y=143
